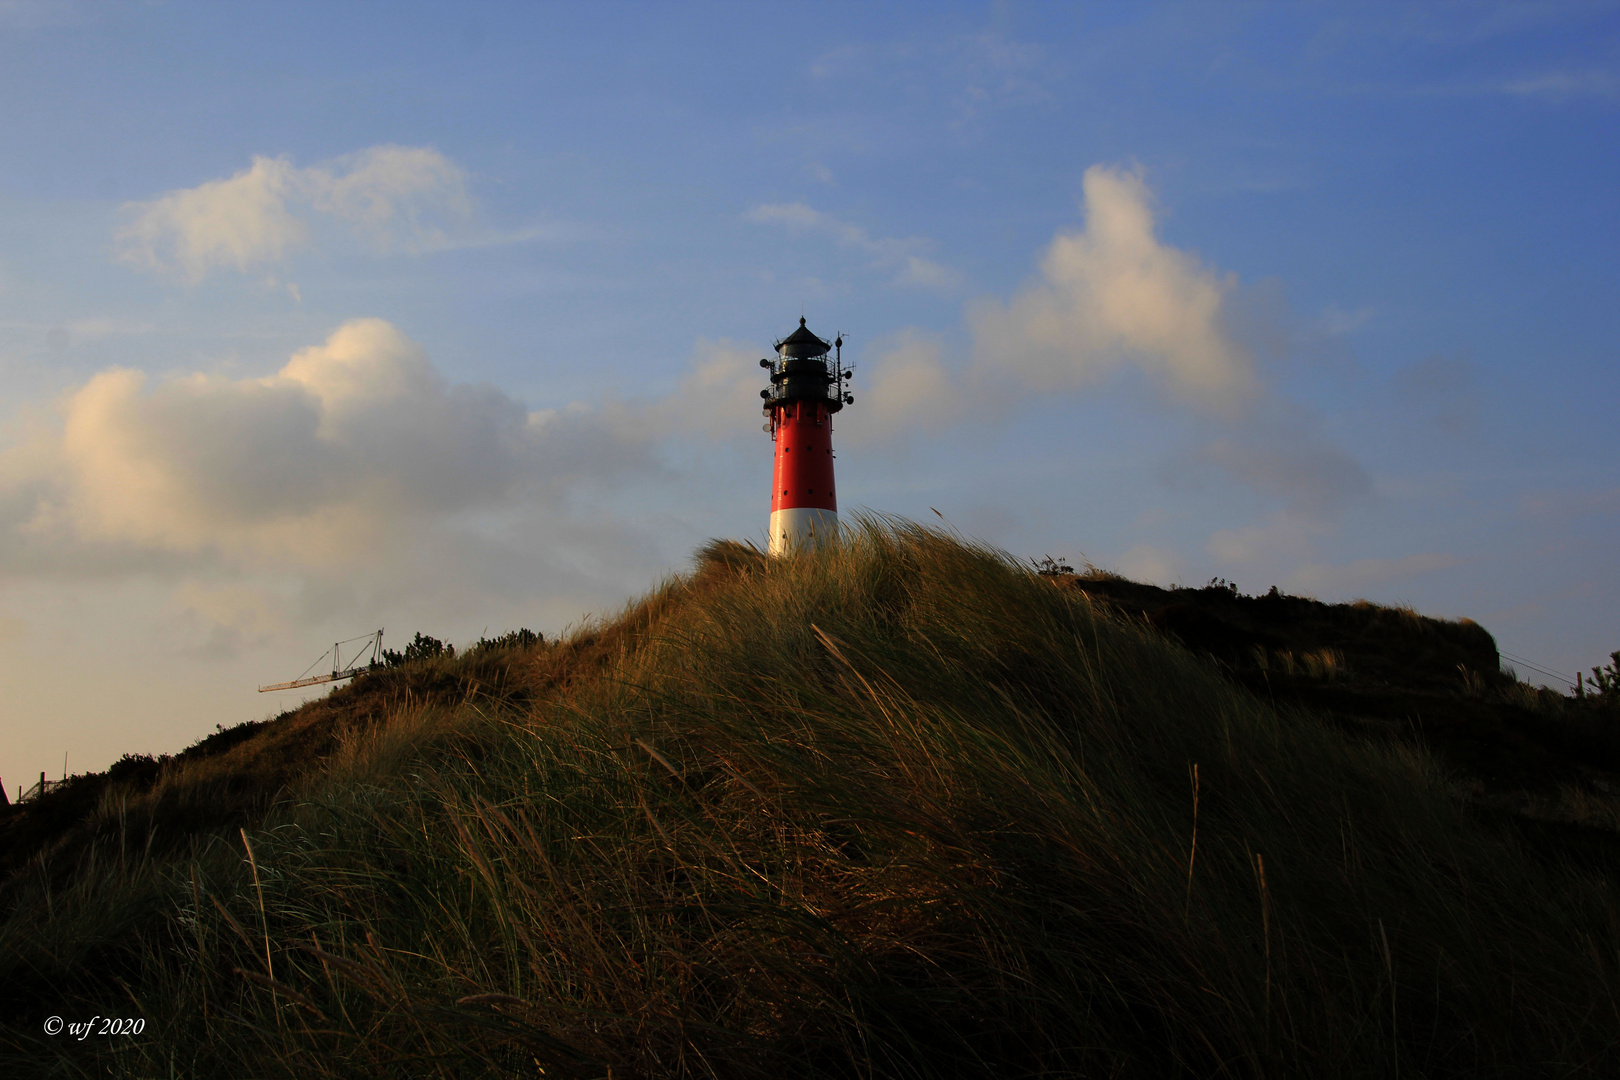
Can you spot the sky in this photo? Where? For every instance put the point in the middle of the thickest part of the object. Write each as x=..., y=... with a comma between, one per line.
x=322, y=318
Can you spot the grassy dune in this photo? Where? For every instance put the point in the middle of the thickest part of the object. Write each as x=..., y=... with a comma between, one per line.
x=896, y=809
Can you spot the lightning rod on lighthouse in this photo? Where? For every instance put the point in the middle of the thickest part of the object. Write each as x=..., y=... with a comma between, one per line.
x=807, y=388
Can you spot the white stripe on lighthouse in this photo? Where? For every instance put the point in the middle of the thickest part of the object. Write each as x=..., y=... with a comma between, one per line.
x=801, y=526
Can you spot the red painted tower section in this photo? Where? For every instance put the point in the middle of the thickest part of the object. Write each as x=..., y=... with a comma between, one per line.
x=806, y=390
x=804, y=459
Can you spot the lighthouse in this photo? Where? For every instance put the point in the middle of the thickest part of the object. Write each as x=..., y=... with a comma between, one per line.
x=807, y=388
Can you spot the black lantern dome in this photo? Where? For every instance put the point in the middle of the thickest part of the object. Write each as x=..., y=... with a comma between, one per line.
x=802, y=371
x=802, y=343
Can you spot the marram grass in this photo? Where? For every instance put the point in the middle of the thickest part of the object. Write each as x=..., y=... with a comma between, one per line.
x=897, y=808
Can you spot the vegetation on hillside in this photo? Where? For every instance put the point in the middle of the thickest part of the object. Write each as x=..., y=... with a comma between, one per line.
x=899, y=808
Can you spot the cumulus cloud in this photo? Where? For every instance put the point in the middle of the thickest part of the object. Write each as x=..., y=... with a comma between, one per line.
x=392, y=193
x=1109, y=298
x=716, y=397
x=239, y=222
x=904, y=259
x=395, y=197
x=350, y=444
x=1113, y=296
x=907, y=388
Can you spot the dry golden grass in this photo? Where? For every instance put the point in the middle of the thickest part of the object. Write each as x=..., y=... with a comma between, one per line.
x=896, y=808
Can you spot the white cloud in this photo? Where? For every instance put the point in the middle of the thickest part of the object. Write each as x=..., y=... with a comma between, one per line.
x=392, y=193
x=347, y=450
x=1109, y=298
x=907, y=388
x=927, y=274
x=903, y=258
x=1114, y=297
x=395, y=197
x=715, y=397
x=240, y=222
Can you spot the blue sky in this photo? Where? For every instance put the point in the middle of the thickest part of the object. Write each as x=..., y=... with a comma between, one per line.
x=318, y=318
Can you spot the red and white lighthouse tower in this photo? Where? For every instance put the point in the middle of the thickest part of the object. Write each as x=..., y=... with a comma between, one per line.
x=807, y=387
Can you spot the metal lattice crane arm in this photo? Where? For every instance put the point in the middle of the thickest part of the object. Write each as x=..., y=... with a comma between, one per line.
x=371, y=652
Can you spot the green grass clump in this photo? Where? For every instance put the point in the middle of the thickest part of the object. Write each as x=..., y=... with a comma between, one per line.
x=896, y=808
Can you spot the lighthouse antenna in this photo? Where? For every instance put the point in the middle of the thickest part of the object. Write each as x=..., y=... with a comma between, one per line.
x=838, y=363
